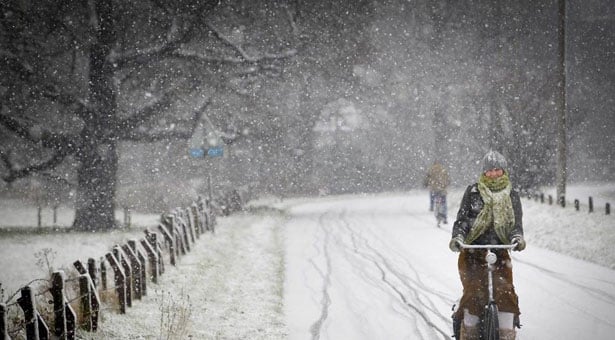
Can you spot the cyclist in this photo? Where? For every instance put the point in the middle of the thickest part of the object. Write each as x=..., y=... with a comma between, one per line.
x=490, y=213
x=437, y=181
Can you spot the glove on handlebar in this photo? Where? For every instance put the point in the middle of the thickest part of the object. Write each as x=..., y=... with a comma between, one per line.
x=454, y=244
x=518, y=239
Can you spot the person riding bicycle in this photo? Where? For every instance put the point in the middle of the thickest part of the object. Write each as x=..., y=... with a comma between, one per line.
x=490, y=213
x=437, y=181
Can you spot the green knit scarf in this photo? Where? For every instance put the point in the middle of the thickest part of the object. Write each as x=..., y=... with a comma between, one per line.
x=497, y=210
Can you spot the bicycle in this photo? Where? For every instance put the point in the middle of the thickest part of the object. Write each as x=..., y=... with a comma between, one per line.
x=439, y=209
x=490, y=326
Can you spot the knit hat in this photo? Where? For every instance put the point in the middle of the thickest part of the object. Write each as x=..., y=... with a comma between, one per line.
x=494, y=160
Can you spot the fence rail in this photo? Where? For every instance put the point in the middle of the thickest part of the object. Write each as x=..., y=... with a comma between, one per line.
x=133, y=264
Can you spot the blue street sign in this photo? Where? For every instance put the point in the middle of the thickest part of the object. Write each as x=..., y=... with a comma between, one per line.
x=197, y=152
x=215, y=151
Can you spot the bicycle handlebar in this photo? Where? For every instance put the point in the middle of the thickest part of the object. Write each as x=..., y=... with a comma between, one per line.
x=487, y=246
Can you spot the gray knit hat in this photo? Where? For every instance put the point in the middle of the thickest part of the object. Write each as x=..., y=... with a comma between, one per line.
x=494, y=160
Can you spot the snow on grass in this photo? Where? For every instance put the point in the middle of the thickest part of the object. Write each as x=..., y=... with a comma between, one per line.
x=28, y=256
x=228, y=287
x=585, y=236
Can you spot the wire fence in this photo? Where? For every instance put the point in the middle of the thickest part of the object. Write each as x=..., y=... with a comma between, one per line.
x=74, y=300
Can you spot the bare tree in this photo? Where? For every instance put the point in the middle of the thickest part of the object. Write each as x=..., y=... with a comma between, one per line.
x=79, y=77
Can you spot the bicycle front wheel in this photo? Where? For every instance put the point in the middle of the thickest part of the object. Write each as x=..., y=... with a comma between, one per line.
x=491, y=326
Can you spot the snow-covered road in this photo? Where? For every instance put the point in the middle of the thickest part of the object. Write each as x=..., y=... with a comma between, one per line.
x=378, y=268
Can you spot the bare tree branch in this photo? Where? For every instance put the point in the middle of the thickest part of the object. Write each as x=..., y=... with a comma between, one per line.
x=244, y=55
x=292, y=15
x=62, y=143
x=135, y=134
x=53, y=92
x=16, y=127
x=173, y=48
x=175, y=39
x=146, y=113
x=16, y=64
x=149, y=137
x=15, y=174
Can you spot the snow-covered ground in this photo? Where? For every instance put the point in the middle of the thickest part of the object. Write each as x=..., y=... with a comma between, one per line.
x=378, y=268
x=347, y=267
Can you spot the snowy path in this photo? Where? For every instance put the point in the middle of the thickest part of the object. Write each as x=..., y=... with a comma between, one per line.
x=378, y=268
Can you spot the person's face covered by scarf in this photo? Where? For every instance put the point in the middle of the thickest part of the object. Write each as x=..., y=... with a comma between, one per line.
x=494, y=173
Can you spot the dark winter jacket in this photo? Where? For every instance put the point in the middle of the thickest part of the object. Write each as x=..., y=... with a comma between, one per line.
x=472, y=204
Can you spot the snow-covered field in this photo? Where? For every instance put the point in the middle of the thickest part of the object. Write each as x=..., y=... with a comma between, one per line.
x=262, y=275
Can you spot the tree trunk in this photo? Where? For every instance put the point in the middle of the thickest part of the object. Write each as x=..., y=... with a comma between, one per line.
x=95, y=205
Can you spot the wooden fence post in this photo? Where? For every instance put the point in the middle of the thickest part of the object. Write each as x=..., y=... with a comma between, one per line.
x=123, y=261
x=65, y=318
x=211, y=215
x=135, y=270
x=591, y=204
x=200, y=208
x=36, y=329
x=143, y=263
x=80, y=268
x=607, y=208
x=153, y=260
x=92, y=271
x=189, y=224
x=93, y=301
x=172, y=225
x=86, y=302
x=71, y=321
x=152, y=239
x=550, y=200
x=179, y=240
x=158, y=248
x=203, y=207
x=103, y=275
x=55, y=215
x=57, y=291
x=26, y=302
x=182, y=224
x=120, y=281
x=542, y=197
x=90, y=303
x=4, y=332
x=170, y=240
x=193, y=215
x=39, y=216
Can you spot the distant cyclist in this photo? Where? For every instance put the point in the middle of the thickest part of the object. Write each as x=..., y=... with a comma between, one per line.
x=490, y=213
x=437, y=182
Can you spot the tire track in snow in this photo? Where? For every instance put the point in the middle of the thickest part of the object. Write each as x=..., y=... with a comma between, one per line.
x=386, y=269
x=415, y=280
x=325, y=302
x=596, y=292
